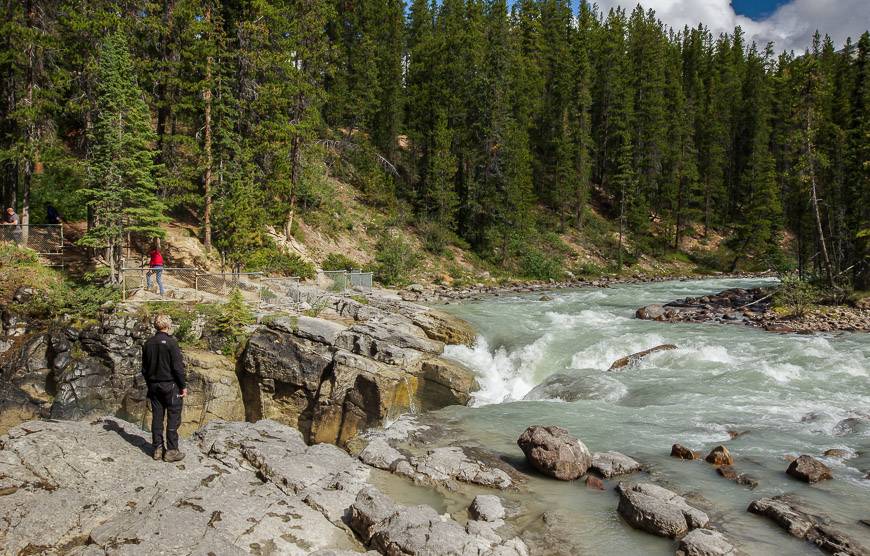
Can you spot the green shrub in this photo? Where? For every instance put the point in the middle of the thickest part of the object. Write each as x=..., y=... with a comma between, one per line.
x=395, y=260
x=338, y=261
x=231, y=320
x=794, y=295
x=537, y=265
x=273, y=261
x=435, y=237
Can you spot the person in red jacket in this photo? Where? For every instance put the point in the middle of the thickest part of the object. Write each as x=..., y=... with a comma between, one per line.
x=155, y=266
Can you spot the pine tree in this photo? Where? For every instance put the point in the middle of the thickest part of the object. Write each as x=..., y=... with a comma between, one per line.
x=121, y=188
x=441, y=196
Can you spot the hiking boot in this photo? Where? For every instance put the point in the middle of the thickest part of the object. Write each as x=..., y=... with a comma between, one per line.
x=158, y=453
x=173, y=455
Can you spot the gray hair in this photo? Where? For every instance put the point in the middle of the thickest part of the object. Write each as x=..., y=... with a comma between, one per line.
x=162, y=322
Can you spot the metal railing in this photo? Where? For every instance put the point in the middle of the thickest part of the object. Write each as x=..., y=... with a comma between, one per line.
x=45, y=239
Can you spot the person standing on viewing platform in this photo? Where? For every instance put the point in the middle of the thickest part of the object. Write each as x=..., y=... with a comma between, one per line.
x=155, y=267
x=52, y=215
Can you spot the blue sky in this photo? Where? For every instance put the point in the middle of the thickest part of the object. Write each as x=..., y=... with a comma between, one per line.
x=756, y=9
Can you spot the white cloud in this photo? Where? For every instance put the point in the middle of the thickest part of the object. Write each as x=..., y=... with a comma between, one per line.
x=791, y=26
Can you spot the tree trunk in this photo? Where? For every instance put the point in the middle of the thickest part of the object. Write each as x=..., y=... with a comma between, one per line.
x=621, y=223
x=29, y=157
x=209, y=161
x=815, y=201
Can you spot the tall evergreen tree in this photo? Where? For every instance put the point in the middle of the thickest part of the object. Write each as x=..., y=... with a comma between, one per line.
x=121, y=188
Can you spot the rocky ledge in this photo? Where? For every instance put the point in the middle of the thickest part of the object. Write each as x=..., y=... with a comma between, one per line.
x=244, y=488
x=754, y=307
x=329, y=377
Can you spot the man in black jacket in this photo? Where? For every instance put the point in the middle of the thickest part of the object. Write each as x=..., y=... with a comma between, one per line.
x=163, y=369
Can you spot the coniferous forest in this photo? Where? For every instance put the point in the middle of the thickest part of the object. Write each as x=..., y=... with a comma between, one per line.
x=491, y=124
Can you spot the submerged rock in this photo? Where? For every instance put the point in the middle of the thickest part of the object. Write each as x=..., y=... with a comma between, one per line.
x=740, y=478
x=705, y=542
x=681, y=452
x=809, y=469
x=657, y=510
x=486, y=507
x=570, y=387
x=555, y=452
x=720, y=456
x=610, y=464
x=799, y=522
x=635, y=357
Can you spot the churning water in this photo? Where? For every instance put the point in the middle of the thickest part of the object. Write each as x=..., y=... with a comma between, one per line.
x=786, y=394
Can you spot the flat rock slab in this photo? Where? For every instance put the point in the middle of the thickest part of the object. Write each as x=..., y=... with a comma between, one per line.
x=244, y=488
x=657, y=510
x=611, y=464
x=799, y=522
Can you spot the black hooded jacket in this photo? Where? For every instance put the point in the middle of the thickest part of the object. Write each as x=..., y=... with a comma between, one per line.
x=162, y=361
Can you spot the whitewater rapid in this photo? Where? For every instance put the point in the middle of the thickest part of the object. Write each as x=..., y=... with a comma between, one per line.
x=785, y=394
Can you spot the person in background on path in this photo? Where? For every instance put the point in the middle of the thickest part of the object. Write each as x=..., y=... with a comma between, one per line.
x=52, y=215
x=163, y=369
x=155, y=266
x=11, y=219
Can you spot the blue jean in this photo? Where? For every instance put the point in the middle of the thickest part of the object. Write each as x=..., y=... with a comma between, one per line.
x=158, y=271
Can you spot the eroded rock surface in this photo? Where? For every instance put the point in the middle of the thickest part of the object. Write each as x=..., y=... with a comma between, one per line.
x=800, y=522
x=657, y=510
x=611, y=464
x=705, y=542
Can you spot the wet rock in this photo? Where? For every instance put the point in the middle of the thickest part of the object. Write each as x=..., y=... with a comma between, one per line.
x=705, y=542
x=731, y=474
x=720, y=456
x=809, y=469
x=851, y=426
x=567, y=387
x=594, y=483
x=486, y=507
x=635, y=357
x=650, y=312
x=545, y=298
x=838, y=453
x=610, y=464
x=378, y=453
x=681, y=452
x=799, y=522
x=555, y=452
x=658, y=510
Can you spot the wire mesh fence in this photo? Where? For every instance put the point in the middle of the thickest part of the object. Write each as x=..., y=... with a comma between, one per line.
x=222, y=283
x=341, y=280
x=152, y=279
x=285, y=287
x=45, y=239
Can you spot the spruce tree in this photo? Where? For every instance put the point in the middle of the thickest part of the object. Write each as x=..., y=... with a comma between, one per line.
x=121, y=189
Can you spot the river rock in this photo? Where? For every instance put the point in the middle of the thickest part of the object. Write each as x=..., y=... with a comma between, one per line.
x=681, y=452
x=731, y=474
x=705, y=542
x=594, y=483
x=458, y=463
x=555, y=452
x=486, y=507
x=635, y=357
x=803, y=524
x=571, y=387
x=378, y=453
x=610, y=464
x=838, y=453
x=391, y=528
x=809, y=469
x=720, y=456
x=657, y=510
x=651, y=312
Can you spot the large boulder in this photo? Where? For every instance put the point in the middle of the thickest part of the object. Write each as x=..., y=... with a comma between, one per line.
x=555, y=452
x=805, y=524
x=651, y=312
x=809, y=469
x=657, y=510
x=720, y=456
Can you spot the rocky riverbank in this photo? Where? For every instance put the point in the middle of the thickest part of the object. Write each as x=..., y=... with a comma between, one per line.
x=754, y=307
x=439, y=293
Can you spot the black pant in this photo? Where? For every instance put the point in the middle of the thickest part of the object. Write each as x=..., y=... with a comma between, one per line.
x=165, y=401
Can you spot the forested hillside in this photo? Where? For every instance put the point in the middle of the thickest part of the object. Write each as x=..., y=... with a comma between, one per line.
x=490, y=126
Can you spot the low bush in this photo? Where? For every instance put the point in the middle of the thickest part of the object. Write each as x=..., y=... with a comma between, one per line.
x=795, y=296
x=395, y=260
x=231, y=320
x=273, y=261
x=339, y=261
x=537, y=265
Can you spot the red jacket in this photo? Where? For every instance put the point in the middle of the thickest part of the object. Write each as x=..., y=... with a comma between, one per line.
x=156, y=258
